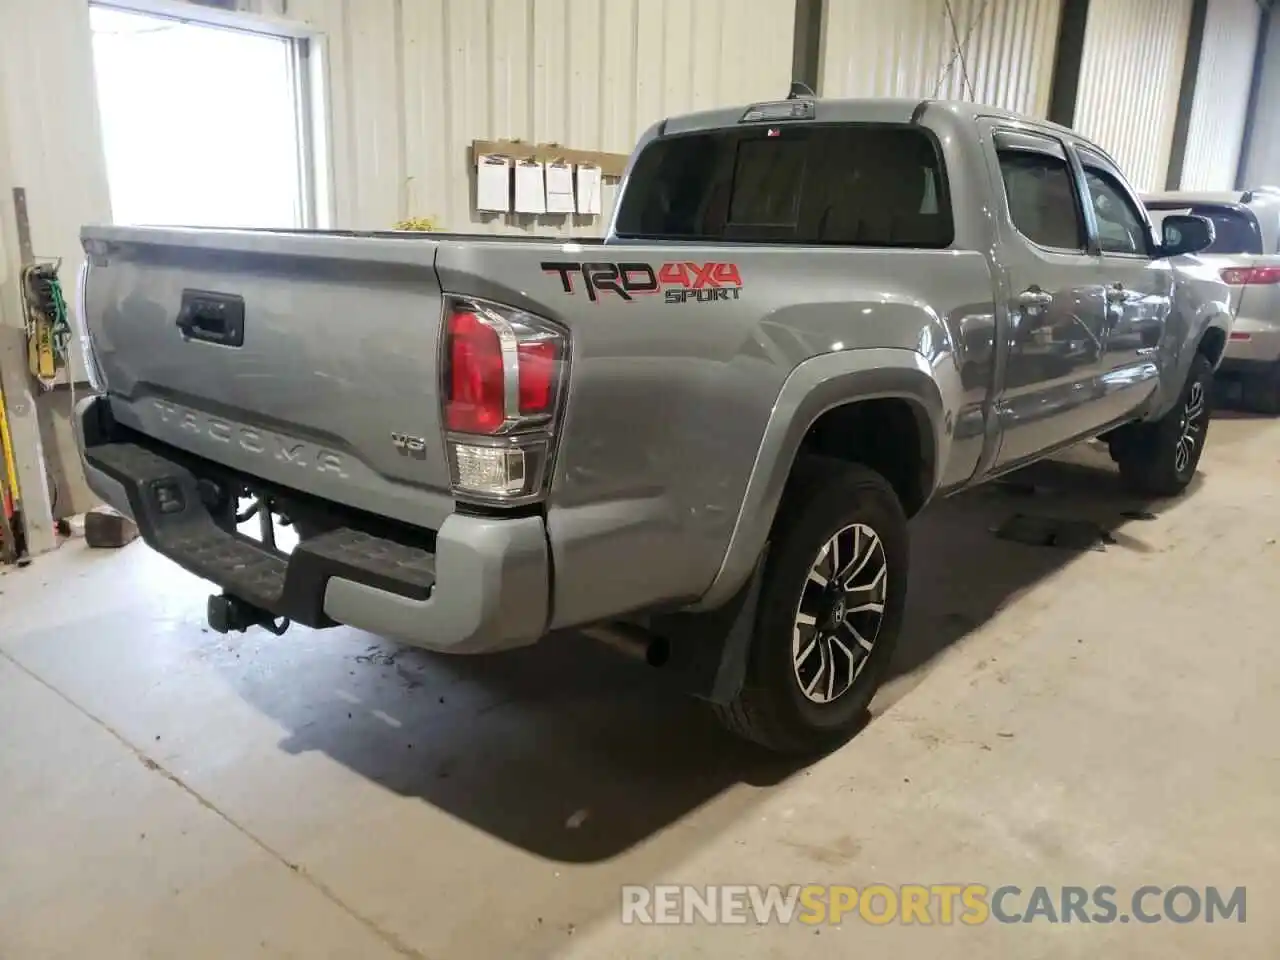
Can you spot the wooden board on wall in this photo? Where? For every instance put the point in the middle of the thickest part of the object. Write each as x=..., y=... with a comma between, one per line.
x=610, y=164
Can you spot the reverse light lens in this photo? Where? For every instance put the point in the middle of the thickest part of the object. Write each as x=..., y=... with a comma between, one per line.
x=491, y=471
x=476, y=389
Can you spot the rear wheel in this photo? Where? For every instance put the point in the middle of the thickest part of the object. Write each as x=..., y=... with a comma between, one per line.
x=1262, y=393
x=830, y=610
x=1159, y=458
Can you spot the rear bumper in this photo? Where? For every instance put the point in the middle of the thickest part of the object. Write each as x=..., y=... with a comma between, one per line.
x=1262, y=345
x=1244, y=368
x=484, y=584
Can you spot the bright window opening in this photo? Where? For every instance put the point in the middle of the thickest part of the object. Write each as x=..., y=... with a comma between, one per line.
x=202, y=125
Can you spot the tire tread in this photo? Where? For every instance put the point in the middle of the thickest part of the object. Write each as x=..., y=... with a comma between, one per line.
x=753, y=713
x=1143, y=451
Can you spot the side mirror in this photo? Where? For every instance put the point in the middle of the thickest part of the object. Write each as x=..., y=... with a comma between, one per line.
x=1184, y=233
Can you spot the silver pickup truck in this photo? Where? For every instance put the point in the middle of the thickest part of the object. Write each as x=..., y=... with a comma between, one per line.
x=699, y=439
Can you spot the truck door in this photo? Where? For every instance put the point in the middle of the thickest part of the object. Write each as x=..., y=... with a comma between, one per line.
x=1137, y=288
x=1051, y=289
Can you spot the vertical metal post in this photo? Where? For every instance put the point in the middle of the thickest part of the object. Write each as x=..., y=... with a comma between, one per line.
x=1068, y=54
x=806, y=53
x=1187, y=94
x=15, y=376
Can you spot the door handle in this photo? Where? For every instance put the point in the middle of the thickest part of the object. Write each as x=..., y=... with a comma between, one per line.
x=1035, y=297
x=1116, y=293
x=212, y=317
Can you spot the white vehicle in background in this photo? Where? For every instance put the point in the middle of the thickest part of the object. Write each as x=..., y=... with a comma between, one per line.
x=1246, y=251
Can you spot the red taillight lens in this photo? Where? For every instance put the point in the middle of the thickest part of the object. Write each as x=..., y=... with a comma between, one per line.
x=538, y=360
x=503, y=377
x=1250, y=276
x=490, y=352
x=476, y=401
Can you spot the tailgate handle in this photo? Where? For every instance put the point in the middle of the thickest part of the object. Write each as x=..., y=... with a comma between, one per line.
x=212, y=317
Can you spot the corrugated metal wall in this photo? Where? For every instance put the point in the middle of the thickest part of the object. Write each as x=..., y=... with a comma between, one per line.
x=1130, y=76
x=909, y=48
x=1262, y=163
x=1221, y=102
x=413, y=82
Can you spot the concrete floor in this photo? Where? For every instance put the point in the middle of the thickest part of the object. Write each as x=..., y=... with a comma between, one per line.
x=1055, y=717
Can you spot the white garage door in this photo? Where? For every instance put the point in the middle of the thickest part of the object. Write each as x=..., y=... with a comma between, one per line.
x=1130, y=76
x=1223, y=78
x=990, y=51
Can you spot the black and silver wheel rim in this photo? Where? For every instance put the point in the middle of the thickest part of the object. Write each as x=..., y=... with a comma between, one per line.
x=840, y=613
x=1191, y=430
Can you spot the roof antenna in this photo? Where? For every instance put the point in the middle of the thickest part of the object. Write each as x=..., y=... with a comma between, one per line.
x=800, y=89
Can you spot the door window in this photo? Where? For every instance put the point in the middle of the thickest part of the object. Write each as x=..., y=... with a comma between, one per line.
x=1042, y=200
x=1121, y=228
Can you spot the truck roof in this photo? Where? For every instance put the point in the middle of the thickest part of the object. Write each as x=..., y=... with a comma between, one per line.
x=1261, y=195
x=865, y=110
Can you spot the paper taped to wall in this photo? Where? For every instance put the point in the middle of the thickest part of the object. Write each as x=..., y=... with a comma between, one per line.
x=531, y=188
x=588, y=189
x=493, y=183
x=559, y=187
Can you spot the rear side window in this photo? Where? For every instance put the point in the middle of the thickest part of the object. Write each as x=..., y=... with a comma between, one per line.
x=848, y=184
x=1042, y=199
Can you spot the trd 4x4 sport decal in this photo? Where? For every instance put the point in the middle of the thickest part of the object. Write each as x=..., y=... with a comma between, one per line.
x=681, y=281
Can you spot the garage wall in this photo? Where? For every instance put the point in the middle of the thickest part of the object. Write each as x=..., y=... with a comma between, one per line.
x=50, y=139
x=1223, y=78
x=1262, y=162
x=413, y=82
x=1130, y=77
x=908, y=48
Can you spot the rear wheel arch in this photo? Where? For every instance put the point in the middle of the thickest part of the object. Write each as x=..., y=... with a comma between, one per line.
x=891, y=435
x=821, y=395
x=1213, y=343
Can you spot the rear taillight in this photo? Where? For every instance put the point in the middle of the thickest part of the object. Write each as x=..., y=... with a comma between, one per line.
x=503, y=376
x=1250, y=276
x=476, y=398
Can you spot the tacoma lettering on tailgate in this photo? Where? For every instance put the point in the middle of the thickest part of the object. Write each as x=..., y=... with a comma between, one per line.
x=251, y=440
x=680, y=281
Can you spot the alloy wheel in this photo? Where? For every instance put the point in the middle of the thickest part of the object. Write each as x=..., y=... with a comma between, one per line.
x=840, y=613
x=1192, y=426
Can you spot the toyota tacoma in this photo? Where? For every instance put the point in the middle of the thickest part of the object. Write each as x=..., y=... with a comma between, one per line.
x=699, y=438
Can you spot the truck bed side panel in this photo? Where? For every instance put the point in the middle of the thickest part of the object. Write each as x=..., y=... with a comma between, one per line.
x=672, y=385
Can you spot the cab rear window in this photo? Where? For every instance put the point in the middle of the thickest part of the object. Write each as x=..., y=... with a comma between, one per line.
x=851, y=184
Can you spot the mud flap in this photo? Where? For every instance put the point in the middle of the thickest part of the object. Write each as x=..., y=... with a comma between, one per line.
x=708, y=651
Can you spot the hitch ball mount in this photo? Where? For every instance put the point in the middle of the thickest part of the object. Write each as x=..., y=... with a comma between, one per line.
x=230, y=614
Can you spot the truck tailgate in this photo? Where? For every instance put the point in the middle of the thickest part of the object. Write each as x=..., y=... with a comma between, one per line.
x=306, y=359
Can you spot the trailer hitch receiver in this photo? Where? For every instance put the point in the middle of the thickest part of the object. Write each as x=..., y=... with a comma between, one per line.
x=230, y=614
